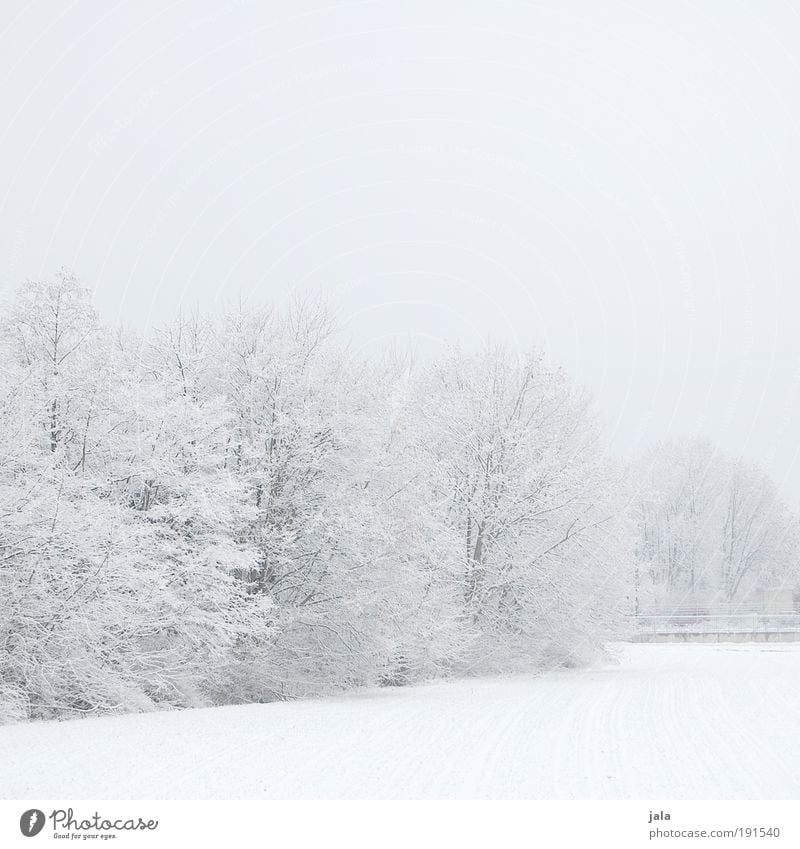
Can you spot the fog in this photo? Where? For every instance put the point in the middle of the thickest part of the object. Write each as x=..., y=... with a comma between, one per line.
x=614, y=183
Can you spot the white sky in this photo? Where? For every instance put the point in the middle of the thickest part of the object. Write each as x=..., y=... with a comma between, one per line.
x=616, y=182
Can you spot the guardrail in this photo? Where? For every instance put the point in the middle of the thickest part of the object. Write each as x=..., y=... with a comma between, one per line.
x=745, y=622
x=737, y=626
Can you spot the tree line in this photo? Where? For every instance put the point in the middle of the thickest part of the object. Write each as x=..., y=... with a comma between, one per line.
x=239, y=508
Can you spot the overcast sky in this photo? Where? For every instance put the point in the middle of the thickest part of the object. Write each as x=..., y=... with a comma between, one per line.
x=615, y=182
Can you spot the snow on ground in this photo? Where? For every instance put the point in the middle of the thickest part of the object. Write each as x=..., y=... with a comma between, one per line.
x=668, y=722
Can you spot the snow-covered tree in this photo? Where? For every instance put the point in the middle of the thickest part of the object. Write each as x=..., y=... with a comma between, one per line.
x=518, y=468
x=711, y=528
x=238, y=508
x=116, y=589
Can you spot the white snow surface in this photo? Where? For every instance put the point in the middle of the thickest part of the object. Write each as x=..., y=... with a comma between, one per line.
x=667, y=721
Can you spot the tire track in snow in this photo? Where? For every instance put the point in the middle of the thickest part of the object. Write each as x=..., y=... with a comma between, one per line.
x=671, y=721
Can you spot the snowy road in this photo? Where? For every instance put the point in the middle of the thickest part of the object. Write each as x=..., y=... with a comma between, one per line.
x=668, y=722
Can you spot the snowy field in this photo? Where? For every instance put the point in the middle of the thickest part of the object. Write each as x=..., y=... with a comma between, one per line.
x=666, y=722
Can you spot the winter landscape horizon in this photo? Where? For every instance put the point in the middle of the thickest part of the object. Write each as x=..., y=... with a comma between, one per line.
x=241, y=508
x=399, y=401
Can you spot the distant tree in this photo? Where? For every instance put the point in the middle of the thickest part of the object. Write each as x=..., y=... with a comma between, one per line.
x=711, y=528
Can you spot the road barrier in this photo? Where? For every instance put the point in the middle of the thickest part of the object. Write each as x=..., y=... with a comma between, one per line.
x=720, y=626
